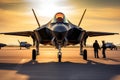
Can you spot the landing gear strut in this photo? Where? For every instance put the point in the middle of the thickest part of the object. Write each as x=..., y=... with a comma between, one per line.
x=83, y=52
x=59, y=54
x=35, y=52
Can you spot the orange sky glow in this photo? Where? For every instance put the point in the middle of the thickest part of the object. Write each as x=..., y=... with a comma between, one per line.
x=101, y=15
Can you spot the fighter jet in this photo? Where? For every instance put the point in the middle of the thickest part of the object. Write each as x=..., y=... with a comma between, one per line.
x=24, y=44
x=111, y=46
x=2, y=45
x=59, y=32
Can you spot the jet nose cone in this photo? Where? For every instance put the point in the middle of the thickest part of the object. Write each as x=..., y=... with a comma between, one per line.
x=59, y=32
x=60, y=29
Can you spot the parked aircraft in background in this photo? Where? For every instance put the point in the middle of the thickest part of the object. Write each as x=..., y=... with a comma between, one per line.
x=111, y=46
x=2, y=45
x=24, y=44
x=59, y=32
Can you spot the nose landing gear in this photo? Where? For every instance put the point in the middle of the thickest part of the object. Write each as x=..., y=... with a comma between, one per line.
x=59, y=56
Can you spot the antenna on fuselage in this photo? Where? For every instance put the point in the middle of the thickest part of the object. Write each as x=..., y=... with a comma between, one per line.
x=36, y=17
x=82, y=17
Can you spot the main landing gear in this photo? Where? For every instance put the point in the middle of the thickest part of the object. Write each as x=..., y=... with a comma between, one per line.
x=85, y=54
x=34, y=54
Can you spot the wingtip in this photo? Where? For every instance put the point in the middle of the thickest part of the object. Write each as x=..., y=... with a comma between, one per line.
x=116, y=33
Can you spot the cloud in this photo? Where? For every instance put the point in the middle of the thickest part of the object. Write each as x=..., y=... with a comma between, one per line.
x=109, y=14
x=14, y=21
x=96, y=3
x=13, y=5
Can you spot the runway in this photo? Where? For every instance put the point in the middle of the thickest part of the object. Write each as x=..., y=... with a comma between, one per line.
x=16, y=64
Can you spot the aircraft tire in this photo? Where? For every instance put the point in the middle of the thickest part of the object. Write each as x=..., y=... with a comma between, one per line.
x=33, y=54
x=85, y=54
x=59, y=58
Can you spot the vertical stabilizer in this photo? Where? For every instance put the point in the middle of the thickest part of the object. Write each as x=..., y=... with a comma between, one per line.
x=19, y=41
x=82, y=17
x=36, y=17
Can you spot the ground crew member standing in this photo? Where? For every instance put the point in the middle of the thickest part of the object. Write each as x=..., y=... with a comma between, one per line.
x=103, y=49
x=96, y=47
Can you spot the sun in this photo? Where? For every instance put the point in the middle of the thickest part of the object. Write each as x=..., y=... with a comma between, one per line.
x=48, y=8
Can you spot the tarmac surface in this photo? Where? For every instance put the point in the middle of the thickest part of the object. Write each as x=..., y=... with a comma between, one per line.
x=16, y=64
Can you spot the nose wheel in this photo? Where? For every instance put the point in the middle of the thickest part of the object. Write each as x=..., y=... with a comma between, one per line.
x=59, y=56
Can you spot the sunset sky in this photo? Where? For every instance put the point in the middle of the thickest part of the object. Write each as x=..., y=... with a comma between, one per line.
x=101, y=15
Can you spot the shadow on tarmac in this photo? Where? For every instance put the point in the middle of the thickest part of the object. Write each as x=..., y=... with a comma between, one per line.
x=64, y=70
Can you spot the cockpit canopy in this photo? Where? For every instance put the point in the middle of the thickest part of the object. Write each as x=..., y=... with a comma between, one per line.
x=59, y=18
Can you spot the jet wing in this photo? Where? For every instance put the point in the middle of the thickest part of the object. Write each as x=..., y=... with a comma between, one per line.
x=93, y=34
x=22, y=33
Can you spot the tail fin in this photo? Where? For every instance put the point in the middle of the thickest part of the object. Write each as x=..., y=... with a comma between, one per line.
x=82, y=17
x=36, y=17
x=19, y=41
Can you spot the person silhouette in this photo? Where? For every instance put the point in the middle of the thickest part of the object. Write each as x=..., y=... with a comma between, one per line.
x=103, y=49
x=96, y=47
